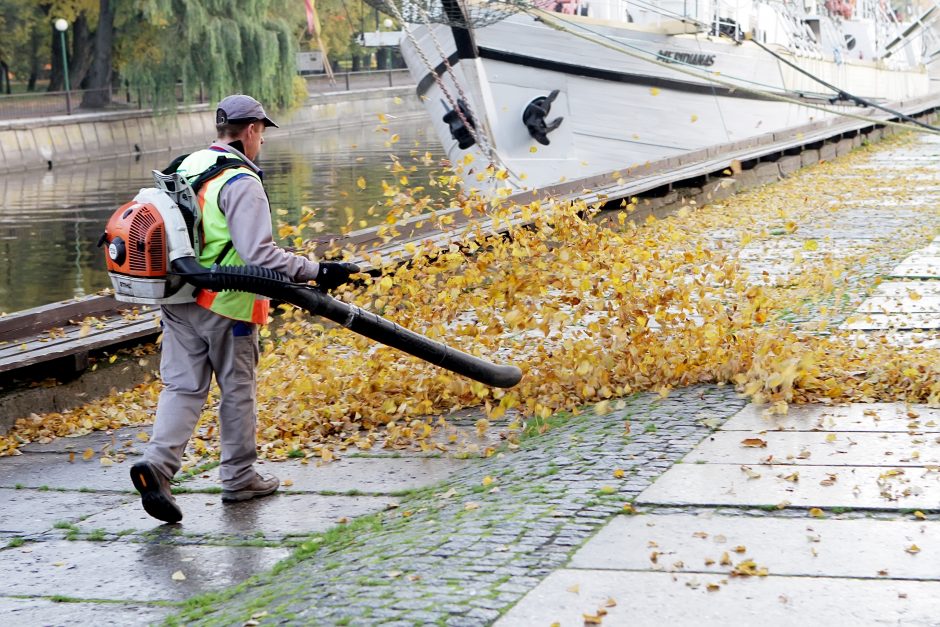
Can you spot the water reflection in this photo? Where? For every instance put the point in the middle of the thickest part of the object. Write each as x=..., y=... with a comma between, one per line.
x=50, y=221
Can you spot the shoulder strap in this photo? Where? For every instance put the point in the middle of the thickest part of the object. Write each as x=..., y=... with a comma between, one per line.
x=222, y=163
x=225, y=249
x=174, y=165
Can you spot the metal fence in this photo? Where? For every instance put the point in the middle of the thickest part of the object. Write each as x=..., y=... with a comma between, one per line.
x=46, y=104
x=349, y=81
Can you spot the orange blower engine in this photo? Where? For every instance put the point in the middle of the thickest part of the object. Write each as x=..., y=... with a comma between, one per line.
x=143, y=238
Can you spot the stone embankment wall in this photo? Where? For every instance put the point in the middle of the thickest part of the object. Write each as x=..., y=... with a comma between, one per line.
x=42, y=143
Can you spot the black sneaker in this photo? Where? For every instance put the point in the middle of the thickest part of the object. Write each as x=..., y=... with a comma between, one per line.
x=259, y=486
x=155, y=493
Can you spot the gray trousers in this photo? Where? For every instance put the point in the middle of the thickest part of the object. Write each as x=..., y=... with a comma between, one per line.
x=196, y=344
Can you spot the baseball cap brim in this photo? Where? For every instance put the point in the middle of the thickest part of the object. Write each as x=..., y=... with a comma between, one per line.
x=267, y=121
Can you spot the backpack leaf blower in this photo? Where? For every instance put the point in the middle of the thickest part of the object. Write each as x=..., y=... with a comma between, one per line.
x=151, y=254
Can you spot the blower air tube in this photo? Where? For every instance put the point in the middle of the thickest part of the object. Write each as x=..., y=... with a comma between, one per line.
x=273, y=284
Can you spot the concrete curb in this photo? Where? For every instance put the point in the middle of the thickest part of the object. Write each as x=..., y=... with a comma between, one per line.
x=43, y=143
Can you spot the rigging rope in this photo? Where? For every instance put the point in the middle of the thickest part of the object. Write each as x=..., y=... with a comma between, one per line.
x=842, y=94
x=437, y=79
x=479, y=137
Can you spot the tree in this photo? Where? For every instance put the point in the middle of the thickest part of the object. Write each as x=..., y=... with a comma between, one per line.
x=343, y=21
x=229, y=47
x=81, y=16
x=23, y=46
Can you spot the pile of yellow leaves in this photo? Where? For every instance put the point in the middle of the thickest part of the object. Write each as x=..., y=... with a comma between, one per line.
x=590, y=312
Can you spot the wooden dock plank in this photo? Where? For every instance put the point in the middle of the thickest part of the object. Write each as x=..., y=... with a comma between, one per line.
x=115, y=330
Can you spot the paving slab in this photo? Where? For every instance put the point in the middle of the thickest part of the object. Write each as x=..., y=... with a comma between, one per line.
x=52, y=614
x=913, y=339
x=128, y=570
x=919, y=266
x=27, y=512
x=784, y=546
x=641, y=599
x=852, y=417
x=868, y=487
x=899, y=289
x=804, y=448
x=273, y=517
x=913, y=302
x=54, y=470
x=375, y=475
x=889, y=321
x=127, y=440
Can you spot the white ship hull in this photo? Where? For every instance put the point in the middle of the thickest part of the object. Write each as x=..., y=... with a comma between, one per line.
x=621, y=110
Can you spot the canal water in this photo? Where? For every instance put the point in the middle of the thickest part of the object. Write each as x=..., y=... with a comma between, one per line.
x=50, y=221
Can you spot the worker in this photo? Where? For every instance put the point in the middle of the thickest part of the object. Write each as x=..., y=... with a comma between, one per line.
x=218, y=332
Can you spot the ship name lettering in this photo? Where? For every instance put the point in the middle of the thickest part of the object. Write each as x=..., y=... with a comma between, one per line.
x=692, y=58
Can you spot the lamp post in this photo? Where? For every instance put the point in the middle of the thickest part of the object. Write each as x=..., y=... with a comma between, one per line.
x=387, y=51
x=61, y=25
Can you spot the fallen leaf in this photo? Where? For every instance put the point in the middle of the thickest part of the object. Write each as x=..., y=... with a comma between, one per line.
x=750, y=472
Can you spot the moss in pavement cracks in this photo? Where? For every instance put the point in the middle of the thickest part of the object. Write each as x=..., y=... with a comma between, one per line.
x=198, y=470
x=335, y=539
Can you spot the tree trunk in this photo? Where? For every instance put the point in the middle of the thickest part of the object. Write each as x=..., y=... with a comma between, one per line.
x=56, y=78
x=99, y=78
x=5, y=77
x=80, y=56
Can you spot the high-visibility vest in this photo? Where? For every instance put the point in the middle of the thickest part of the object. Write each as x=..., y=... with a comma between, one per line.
x=216, y=238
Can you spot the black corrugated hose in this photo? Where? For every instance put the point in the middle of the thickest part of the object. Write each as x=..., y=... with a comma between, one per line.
x=266, y=282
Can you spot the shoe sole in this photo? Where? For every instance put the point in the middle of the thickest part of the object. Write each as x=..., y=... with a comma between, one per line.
x=154, y=501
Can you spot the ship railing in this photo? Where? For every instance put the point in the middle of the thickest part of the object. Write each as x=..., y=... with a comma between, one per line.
x=799, y=36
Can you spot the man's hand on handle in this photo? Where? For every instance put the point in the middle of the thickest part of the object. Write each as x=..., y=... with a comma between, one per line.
x=332, y=274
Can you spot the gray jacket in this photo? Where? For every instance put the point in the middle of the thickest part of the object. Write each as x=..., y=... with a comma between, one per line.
x=248, y=215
